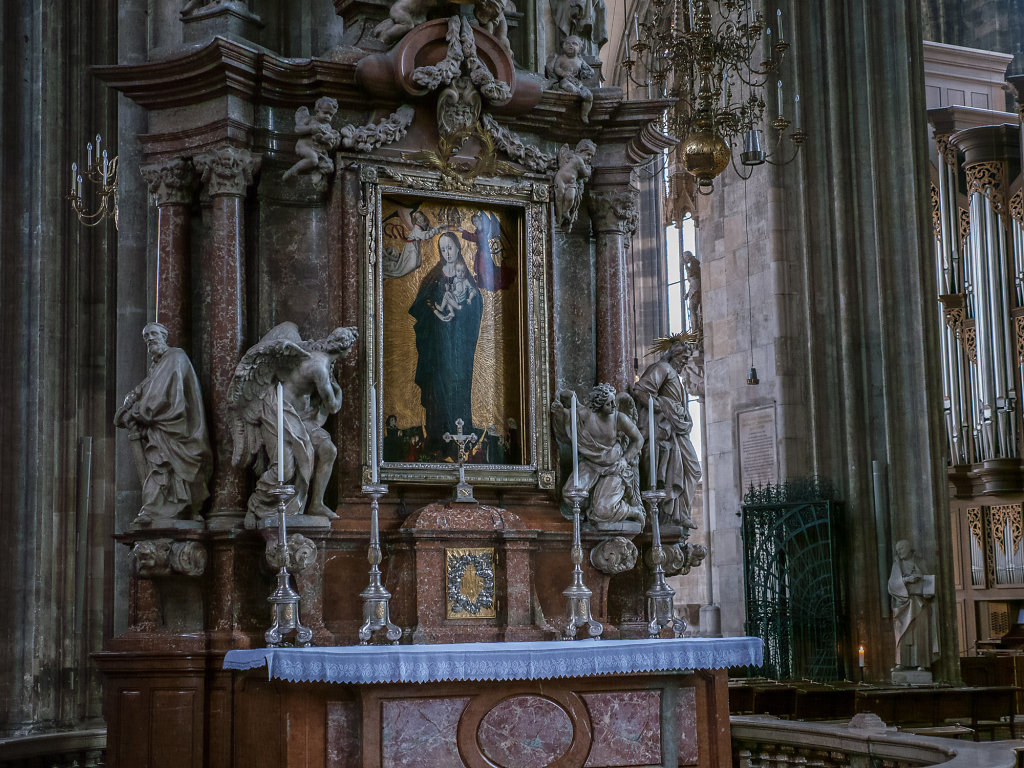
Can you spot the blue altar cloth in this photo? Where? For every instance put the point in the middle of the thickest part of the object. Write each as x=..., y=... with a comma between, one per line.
x=497, y=661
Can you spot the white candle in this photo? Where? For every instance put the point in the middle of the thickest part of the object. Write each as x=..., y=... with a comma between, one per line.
x=89, y=147
x=280, y=433
x=778, y=16
x=796, y=112
x=74, y=175
x=651, y=451
x=575, y=447
x=768, y=45
x=79, y=185
x=104, y=166
x=780, y=98
x=860, y=657
x=98, y=140
x=373, y=435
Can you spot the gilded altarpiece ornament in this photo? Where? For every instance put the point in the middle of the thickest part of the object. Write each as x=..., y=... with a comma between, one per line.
x=469, y=583
x=458, y=319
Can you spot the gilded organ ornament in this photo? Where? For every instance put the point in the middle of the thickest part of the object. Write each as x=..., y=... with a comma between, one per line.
x=986, y=178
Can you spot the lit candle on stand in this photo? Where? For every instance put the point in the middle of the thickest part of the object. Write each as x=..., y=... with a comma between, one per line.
x=280, y=433
x=575, y=448
x=651, y=451
x=860, y=656
x=373, y=435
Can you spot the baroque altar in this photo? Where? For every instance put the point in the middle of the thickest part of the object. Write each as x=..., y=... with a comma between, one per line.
x=394, y=276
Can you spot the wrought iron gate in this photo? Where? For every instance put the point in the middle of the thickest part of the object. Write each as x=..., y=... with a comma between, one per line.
x=794, y=599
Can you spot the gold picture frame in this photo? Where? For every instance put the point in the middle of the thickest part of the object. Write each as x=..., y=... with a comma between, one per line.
x=457, y=318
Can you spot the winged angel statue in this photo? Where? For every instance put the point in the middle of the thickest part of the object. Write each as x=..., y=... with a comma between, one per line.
x=311, y=393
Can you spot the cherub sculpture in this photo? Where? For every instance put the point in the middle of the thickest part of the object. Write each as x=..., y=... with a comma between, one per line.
x=318, y=140
x=609, y=444
x=573, y=170
x=167, y=429
x=306, y=372
x=403, y=16
x=490, y=15
x=567, y=71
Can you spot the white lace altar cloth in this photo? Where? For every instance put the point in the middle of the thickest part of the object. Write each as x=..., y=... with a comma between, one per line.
x=497, y=661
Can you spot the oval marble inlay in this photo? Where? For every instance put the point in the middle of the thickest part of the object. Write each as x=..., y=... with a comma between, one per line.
x=525, y=732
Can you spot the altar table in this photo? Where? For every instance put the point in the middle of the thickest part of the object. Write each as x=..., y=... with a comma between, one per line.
x=592, y=704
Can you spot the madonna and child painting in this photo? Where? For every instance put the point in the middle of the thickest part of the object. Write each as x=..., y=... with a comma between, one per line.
x=453, y=329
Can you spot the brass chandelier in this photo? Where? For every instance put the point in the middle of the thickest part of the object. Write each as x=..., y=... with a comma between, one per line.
x=702, y=53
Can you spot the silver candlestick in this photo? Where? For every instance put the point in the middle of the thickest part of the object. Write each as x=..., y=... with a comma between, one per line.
x=376, y=610
x=284, y=599
x=577, y=596
x=659, y=596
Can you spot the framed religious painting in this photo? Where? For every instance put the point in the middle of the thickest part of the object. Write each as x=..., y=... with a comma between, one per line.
x=457, y=310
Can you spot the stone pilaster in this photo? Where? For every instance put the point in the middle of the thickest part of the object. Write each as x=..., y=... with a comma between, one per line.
x=614, y=215
x=171, y=184
x=227, y=172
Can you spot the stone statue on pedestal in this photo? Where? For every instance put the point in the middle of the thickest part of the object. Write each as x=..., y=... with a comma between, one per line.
x=693, y=298
x=913, y=592
x=678, y=468
x=167, y=428
x=569, y=72
x=609, y=444
x=306, y=372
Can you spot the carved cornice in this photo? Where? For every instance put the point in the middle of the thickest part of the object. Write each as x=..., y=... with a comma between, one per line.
x=171, y=181
x=933, y=193
x=227, y=170
x=987, y=178
x=946, y=150
x=613, y=210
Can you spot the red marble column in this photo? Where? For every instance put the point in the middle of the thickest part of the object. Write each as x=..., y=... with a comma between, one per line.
x=613, y=213
x=227, y=173
x=171, y=184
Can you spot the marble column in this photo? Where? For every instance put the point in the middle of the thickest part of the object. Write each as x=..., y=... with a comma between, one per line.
x=170, y=183
x=991, y=161
x=614, y=215
x=227, y=172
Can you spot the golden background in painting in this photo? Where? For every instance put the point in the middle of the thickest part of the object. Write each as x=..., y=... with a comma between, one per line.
x=498, y=364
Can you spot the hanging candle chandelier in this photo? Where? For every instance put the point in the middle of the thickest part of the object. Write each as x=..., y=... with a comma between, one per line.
x=702, y=53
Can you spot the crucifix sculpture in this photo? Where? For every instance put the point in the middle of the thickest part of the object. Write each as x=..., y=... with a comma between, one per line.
x=463, y=491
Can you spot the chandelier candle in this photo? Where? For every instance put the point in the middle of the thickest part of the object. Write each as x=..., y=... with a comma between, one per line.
x=280, y=433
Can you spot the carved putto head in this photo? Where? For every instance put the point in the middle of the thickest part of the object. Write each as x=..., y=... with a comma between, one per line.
x=601, y=396
x=586, y=148
x=572, y=45
x=337, y=343
x=326, y=107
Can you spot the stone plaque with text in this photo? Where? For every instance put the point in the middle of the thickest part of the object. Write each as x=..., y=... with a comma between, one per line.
x=759, y=458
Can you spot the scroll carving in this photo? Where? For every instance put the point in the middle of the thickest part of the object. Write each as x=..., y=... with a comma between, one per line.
x=987, y=179
x=974, y=523
x=170, y=181
x=969, y=338
x=933, y=193
x=1018, y=333
x=1017, y=206
x=955, y=320
x=999, y=517
x=163, y=557
x=965, y=226
x=946, y=150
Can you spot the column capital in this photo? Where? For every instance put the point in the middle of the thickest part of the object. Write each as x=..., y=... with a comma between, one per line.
x=227, y=170
x=170, y=181
x=614, y=209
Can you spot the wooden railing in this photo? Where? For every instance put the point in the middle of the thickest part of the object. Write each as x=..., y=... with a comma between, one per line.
x=767, y=742
x=67, y=749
